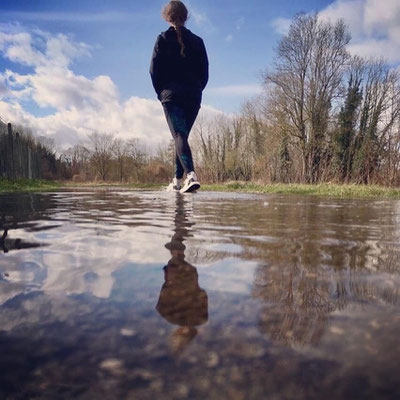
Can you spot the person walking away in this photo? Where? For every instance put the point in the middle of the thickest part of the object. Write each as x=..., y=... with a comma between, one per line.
x=179, y=73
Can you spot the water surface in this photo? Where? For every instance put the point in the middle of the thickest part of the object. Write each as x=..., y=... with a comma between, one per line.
x=119, y=294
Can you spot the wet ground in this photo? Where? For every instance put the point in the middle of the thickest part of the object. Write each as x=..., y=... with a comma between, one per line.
x=151, y=295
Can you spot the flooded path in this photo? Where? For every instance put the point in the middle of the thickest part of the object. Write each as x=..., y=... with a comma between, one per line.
x=151, y=295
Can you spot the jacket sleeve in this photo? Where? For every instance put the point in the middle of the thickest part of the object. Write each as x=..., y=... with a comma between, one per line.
x=156, y=65
x=203, y=65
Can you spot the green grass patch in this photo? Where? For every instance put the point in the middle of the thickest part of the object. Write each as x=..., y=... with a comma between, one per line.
x=324, y=189
x=27, y=185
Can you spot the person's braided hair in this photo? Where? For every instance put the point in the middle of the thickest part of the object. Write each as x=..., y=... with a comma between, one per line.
x=176, y=13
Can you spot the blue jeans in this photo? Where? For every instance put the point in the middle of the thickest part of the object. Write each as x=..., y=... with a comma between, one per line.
x=180, y=119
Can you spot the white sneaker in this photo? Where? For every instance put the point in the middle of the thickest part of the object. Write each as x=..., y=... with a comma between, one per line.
x=175, y=185
x=191, y=183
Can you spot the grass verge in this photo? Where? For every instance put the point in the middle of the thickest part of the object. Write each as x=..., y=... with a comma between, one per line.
x=324, y=189
x=27, y=185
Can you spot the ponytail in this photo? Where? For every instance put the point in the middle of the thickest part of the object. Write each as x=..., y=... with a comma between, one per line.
x=176, y=13
x=180, y=40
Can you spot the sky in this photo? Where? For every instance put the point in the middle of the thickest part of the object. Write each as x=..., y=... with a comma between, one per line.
x=68, y=68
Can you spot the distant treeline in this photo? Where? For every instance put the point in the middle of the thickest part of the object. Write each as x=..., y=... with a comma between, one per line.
x=22, y=156
x=103, y=157
x=107, y=158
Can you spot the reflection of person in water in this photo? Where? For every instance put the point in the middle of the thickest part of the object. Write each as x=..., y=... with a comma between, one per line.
x=7, y=244
x=182, y=302
x=3, y=241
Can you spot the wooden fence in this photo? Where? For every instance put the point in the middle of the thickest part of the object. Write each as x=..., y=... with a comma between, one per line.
x=20, y=157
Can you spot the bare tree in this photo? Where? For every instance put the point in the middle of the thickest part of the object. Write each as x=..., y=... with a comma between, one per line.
x=77, y=158
x=101, y=152
x=137, y=155
x=121, y=153
x=307, y=76
x=137, y=158
x=380, y=110
x=47, y=142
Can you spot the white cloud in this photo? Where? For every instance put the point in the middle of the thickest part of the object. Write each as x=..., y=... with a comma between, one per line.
x=137, y=117
x=3, y=86
x=351, y=11
x=281, y=25
x=38, y=48
x=81, y=105
x=17, y=47
x=200, y=18
x=374, y=25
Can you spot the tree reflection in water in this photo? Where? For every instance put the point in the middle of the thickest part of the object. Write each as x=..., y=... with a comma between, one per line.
x=182, y=302
x=310, y=277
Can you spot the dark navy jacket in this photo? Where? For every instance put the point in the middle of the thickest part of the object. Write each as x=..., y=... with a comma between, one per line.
x=176, y=78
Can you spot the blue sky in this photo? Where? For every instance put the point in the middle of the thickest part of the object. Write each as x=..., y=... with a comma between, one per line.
x=239, y=37
x=104, y=47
